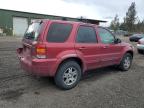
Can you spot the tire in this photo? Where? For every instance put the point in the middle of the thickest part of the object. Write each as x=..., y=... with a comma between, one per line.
x=140, y=51
x=126, y=62
x=68, y=75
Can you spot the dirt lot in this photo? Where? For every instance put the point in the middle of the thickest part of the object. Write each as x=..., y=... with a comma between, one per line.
x=101, y=88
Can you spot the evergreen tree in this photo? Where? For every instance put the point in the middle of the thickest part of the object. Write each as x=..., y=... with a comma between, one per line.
x=130, y=18
x=115, y=23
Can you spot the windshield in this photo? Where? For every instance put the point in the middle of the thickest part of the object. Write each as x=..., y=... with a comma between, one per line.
x=33, y=31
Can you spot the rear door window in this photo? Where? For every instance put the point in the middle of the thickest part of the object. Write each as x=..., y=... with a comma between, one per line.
x=33, y=31
x=59, y=32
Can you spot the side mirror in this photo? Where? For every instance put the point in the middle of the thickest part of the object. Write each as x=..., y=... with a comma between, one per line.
x=117, y=40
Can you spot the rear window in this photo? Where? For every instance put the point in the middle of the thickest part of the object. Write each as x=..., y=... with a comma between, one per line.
x=59, y=32
x=33, y=31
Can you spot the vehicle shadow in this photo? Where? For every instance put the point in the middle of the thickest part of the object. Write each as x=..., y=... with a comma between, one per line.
x=89, y=75
x=99, y=73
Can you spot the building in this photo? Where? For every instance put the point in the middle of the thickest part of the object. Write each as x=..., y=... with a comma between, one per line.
x=15, y=22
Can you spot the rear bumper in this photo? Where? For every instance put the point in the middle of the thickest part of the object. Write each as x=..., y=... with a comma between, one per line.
x=140, y=46
x=40, y=67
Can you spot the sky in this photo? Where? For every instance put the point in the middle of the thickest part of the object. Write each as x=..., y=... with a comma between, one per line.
x=92, y=9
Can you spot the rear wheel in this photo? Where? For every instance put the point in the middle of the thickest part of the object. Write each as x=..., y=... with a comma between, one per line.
x=126, y=62
x=68, y=75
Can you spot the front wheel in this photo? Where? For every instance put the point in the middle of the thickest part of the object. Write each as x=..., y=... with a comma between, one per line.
x=126, y=62
x=68, y=75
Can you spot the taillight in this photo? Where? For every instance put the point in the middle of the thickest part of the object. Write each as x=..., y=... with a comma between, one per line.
x=139, y=42
x=40, y=51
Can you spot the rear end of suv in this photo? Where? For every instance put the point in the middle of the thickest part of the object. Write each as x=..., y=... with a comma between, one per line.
x=33, y=53
x=40, y=53
x=65, y=50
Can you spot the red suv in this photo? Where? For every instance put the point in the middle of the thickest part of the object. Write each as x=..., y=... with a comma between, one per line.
x=65, y=50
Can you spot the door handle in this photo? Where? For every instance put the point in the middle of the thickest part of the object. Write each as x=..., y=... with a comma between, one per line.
x=82, y=48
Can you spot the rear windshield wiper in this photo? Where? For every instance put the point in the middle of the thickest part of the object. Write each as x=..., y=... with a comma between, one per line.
x=29, y=36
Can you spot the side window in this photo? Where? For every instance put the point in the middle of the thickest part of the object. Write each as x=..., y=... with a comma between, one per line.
x=106, y=36
x=86, y=35
x=59, y=32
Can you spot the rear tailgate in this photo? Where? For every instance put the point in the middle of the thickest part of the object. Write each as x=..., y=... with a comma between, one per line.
x=25, y=53
x=32, y=35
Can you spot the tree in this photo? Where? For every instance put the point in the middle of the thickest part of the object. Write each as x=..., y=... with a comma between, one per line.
x=139, y=26
x=115, y=23
x=123, y=25
x=131, y=22
x=130, y=18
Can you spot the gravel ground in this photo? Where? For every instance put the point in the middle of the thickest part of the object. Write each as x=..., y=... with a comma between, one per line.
x=101, y=88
